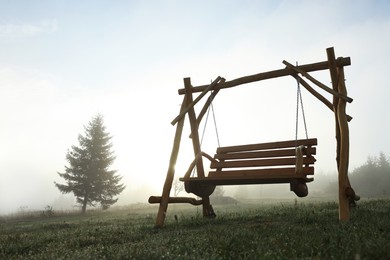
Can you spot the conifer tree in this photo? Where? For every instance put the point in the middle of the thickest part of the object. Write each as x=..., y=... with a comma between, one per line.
x=88, y=175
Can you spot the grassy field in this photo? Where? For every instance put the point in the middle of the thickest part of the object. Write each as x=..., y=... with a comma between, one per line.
x=284, y=230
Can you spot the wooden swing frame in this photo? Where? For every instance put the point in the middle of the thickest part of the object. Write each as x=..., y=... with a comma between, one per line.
x=338, y=106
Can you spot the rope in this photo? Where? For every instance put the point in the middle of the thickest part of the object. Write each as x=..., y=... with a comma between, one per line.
x=299, y=102
x=205, y=124
x=214, y=119
x=303, y=115
x=204, y=127
x=215, y=124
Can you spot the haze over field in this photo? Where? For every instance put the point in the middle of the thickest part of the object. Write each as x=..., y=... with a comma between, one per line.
x=62, y=62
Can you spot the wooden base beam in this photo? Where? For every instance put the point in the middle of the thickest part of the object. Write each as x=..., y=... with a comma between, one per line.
x=192, y=201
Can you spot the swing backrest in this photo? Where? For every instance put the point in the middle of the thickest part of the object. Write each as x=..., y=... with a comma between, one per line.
x=262, y=163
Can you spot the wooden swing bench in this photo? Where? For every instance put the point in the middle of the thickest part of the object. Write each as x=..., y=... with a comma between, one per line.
x=264, y=163
x=277, y=162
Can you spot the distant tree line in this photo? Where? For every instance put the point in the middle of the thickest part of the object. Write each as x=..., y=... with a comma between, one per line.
x=370, y=180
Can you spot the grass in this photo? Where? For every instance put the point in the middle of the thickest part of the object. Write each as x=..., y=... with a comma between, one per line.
x=242, y=231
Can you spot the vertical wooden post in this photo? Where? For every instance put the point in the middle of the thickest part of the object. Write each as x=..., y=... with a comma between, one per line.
x=344, y=150
x=171, y=169
x=194, y=128
x=334, y=78
x=196, y=143
x=342, y=133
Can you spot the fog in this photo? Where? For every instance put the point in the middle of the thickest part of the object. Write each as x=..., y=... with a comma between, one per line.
x=63, y=62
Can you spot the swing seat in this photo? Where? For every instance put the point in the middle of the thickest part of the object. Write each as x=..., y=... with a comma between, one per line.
x=263, y=163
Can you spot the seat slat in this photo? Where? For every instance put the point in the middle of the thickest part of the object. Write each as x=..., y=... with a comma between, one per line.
x=263, y=176
x=260, y=162
x=267, y=146
x=241, y=181
x=262, y=154
x=261, y=173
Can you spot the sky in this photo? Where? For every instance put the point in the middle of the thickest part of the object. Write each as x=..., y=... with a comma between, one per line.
x=62, y=62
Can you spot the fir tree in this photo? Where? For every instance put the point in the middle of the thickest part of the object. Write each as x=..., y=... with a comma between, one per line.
x=88, y=175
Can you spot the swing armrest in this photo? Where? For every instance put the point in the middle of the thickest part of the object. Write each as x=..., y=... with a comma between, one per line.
x=299, y=160
x=197, y=157
x=299, y=163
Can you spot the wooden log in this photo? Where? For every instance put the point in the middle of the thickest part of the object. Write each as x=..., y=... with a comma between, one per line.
x=193, y=201
x=316, y=94
x=171, y=171
x=272, y=74
x=332, y=67
x=204, y=190
x=342, y=134
x=194, y=102
x=208, y=103
x=194, y=128
x=194, y=162
x=318, y=83
x=335, y=85
x=313, y=91
x=208, y=210
x=344, y=151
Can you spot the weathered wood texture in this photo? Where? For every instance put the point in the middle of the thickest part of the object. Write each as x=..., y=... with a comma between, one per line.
x=272, y=74
x=171, y=171
x=259, y=164
x=342, y=133
x=198, y=98
x=267, y=146
x=318, y=83
x=207, y=208
x=320, y=97
x=277, y=162
x=344, y=152
x=208, y=103
x=261, y=154
x=265, y=176
x=194, y=127
x=158, y=199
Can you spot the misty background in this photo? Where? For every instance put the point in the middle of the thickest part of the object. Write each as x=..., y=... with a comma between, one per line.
x=62, y=62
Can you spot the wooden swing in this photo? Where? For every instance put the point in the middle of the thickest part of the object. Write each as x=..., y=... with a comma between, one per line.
x=264, y=163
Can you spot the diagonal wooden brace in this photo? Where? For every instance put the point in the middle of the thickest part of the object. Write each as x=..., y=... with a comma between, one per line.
x=193, y=103
x=319, y=84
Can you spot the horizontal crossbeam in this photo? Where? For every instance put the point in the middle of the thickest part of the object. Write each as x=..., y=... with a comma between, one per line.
x=272, y=74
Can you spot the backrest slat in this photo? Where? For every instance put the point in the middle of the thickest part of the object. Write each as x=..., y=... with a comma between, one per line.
x=262, y=154
x=260, y=162
x=267, y=146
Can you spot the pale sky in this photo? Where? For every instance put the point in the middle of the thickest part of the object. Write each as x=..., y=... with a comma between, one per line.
x=62, y=62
